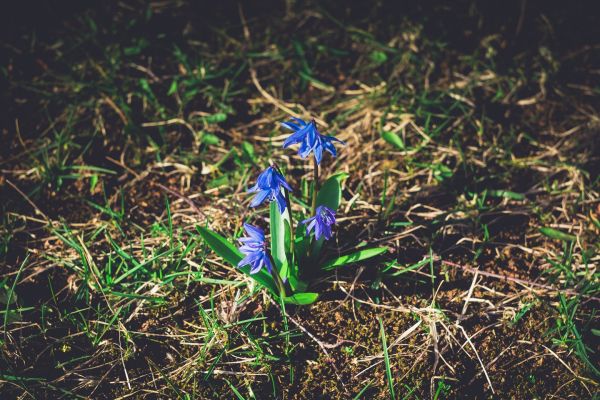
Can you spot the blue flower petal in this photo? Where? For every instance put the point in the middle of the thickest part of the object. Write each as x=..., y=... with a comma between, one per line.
x=253, y=189
x=318, y=230
x=330, y=148
x=310, y=139
x=281, y=180
x=268, y=186
x=254, y=232
x=268, y=264
x=265, y=179
x=257, y=265
x=281, y=202
x=296, y=137
x=321, y=223
x=318, y=150
x=290, y=125
x=309, y=227
x=304, y=150
x=254, y=249
x=299, y=121
x=295, y=124
x=250, y=259
x=327, y=231
x=259, y=198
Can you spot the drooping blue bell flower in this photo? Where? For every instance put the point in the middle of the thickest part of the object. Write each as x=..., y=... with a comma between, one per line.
x=268, y=186
x=321, y=222
x=255, y=249
x=310, y=139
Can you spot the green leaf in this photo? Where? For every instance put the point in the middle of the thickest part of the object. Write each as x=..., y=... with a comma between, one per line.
x=353, y=257
x=248, y=150
x=222, y=180
x=316, y=83
x=556, y=234
x=441, y=172
x=300, y=247
x=293, y=261
x=378, y=56
x=301, y=244
x=215, y=118
x=172, y=88
x=595, y=221
x=393, y=139
x=232, y=255
x=301, y=298
x=278, y=245
x=330, y=194
x=296, y=283
x=93, y=182
x=210, y=138
x=220, y=245
x=386, y=358
x=406, y=269
x=507, y=194
x=288, y=233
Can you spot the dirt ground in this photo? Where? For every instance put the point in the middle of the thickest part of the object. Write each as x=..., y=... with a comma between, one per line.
x=472, y=153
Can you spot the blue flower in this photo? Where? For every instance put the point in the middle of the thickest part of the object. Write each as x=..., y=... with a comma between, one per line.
x=309, y=138
x=254, y=249
x=268, y=186
x=321, y=223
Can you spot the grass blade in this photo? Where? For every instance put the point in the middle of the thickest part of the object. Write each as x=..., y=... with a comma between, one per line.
x=386, y=357
x=353, y=258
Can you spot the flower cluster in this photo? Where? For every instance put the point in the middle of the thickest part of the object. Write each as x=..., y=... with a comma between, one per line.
x=294, y=253
x=321, y=223
x=310, y=139
x=271, y=186
x=255, y=250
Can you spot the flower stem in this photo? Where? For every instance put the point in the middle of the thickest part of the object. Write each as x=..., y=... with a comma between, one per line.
x=315, y=186
x=289, y=207
x=292, y=233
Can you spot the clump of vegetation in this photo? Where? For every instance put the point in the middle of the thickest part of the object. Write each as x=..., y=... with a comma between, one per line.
x=293, y=252
x=135, y=131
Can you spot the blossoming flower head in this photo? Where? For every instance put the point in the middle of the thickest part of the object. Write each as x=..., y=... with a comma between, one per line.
x=255, y=249
x=268, y=186
x=321, y=223
x=310, y=139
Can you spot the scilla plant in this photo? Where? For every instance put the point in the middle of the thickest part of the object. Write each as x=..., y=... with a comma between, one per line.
x=295, y=250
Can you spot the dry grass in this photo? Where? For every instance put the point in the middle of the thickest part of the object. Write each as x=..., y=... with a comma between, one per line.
x=471, y=156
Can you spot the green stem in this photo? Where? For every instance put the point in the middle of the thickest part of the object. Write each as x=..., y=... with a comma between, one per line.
x=292, y=233
x=314, y=197
x=315, y=186
x=289, y=207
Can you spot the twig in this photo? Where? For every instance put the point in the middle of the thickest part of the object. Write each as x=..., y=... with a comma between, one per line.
x=172, y=121
x=40, y=212
x=518, y=280
x=184, y=198
x=469, y=293
x=487, y=377
x=582, y=379
x=115, y=108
